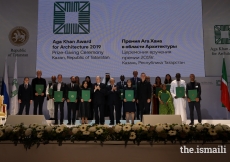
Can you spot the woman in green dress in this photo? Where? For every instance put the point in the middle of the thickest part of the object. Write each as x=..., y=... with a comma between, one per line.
x=165, y=107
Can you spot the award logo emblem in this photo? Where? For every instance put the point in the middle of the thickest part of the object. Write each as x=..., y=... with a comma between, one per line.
x=18, y=36
x=222, y=34
x=71, y=17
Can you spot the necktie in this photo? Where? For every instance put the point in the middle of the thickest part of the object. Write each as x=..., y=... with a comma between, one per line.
x=122, y=84
x=135, y=80
x=26, y=86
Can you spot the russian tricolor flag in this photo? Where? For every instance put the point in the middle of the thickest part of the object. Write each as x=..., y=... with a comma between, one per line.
x=5, y=86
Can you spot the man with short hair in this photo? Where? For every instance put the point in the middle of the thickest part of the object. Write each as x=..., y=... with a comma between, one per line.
x=121, y=85
x=113, y=101
x=144, y=95
x=50, y=102
x=179, y=103
x=38, y=98
x=194, y=85
x=135, y=80
x=99, y=93
x=59, y=86
x=25, y=96
x=72, y=106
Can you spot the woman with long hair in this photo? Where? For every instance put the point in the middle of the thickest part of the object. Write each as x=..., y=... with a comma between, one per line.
x=156, y=88
x=88, y=79
x=84, y=109
x=168, y=79
x=129, y=106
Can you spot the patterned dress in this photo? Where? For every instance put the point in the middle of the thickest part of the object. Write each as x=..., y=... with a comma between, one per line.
x=166, y=108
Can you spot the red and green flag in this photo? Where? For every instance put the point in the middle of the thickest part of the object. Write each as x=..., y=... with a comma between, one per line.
x=224, y=87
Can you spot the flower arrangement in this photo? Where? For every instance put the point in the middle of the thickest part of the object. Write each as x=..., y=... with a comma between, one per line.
x=42, y=134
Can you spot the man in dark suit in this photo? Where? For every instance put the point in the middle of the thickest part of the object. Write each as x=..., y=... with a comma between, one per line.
x=113, y=101
x=193, y=84
x=144, y=95
x=25, y=96
x=38, y=99
x=50, y=101
x=99, y=93
x=72, y=106
x=135, y=80
x=121, y=85
x=59, y=86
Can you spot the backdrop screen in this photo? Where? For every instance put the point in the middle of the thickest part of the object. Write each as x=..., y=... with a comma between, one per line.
x=118, y=36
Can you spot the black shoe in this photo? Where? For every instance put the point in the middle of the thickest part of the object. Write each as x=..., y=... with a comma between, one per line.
x=118, y=122
x=111, y=123
x=73, y=123
x=68, y=123
x=55, y=123
x=191, y=123
x=61, y=123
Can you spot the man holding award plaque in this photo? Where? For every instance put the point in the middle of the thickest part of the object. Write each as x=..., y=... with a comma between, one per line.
x=38, y=85
x=49, y=94
x=59, y=97
x=72, y=91
x=193, y=92
x=144, y=95
x=121, y=85
x=177, y=89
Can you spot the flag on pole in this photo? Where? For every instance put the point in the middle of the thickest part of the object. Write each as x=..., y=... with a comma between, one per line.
x=5, y=87
x=224, y=87
x=14, y=92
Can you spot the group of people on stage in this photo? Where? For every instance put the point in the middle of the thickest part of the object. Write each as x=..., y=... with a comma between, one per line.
x=134, y=96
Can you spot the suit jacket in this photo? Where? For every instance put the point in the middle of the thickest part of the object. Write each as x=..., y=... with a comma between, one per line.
x=133, y=80
x=74, y=88
x=25, y=95
x=197, y=87
x=63, y=89
x=113, y=96
x=38, y=81
x=144, y=90
x=99, y=96
x=120, y=86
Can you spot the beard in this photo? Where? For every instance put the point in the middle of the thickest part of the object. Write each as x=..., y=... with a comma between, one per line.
x=107, y=80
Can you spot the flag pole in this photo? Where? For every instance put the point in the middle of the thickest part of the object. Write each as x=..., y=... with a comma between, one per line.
x=228, y=89
x=227, y=112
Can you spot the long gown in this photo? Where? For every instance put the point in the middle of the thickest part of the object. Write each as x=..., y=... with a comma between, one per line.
x=166, y=108
x=50, y=102
x=179, y=103
x=155, y=104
